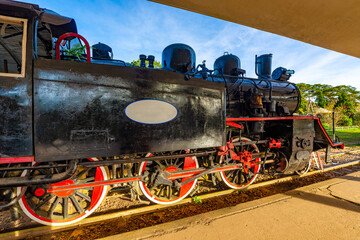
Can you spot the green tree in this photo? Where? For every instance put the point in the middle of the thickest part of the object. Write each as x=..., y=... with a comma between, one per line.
x=356, y=118
x=344, y=100
x=303, y=102
x=348, y=98
x=320, y=100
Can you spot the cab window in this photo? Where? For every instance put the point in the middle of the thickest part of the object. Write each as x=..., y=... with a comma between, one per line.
x=12, y=46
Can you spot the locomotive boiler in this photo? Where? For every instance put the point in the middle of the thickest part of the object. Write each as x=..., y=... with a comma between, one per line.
x=75, y=125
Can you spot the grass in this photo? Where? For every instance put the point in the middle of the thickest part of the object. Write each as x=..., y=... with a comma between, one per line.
x=351, y=136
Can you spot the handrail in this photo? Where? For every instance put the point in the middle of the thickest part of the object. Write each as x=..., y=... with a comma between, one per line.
x=62, y=37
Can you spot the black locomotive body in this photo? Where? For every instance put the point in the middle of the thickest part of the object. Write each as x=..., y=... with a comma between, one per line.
x=73, y=125
x=81, y=117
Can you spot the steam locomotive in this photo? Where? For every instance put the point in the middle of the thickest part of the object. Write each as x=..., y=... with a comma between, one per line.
x=73, y=126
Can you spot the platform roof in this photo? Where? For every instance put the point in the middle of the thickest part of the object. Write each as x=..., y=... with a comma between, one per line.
x=331, y=24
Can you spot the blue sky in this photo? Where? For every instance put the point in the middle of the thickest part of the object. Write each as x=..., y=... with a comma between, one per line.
x=133, y=27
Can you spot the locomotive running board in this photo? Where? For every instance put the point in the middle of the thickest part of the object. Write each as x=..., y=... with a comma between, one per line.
x=321, y=135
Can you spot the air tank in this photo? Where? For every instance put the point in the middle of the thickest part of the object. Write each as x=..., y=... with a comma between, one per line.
x=226, y=64
x=178, y=57
x=102, y=51
x=263, y=66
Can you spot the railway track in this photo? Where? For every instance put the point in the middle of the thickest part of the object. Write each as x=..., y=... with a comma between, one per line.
x=65, y=232
x=343, y=153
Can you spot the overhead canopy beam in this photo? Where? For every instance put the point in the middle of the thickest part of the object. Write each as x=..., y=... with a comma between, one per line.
x=331, y=24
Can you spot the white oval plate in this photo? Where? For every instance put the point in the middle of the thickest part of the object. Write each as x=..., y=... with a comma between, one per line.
x=151, y=111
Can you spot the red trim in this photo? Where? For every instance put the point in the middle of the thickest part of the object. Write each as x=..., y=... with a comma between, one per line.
x=256, y=169
x=17, y=160
x=340, y=144
x=234, y=124
x=193, y=173
x=94, y=184
x=97, y=191
x=274, y=143
x=57, y=50
x=267, y=118
x=172, y=175
x=39, y=192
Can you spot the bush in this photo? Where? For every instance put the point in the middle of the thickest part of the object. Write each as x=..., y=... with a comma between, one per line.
x=327, y=126
x=345, y=121
x=356, y=119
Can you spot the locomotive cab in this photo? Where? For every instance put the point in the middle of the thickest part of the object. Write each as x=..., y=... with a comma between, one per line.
x=15, y=96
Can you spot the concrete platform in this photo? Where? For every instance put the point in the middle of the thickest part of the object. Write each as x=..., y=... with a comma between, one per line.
x=326, y=210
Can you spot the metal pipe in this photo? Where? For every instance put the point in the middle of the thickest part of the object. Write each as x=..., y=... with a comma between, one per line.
x=333, y=123
x=15, y=200
x=30, y=168
x=40, y=179
x=139, y=160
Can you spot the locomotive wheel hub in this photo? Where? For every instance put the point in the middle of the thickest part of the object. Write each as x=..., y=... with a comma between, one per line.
x=171, y=169
x=39, y=192
x=246, y=159
x=60, y=203
x=161, y=177
x=248, y=171
x=161, y=187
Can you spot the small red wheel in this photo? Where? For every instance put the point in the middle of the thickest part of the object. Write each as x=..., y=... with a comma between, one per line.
x=239, y=178
x=163, y=193
x=66, y=207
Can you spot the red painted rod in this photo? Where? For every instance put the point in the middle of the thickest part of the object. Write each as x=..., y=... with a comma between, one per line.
x=62, y=37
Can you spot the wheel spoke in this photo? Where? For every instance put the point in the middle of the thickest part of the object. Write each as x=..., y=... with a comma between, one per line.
x=161, y=190
x=53, y=206
x=176, y=162
x=158, y=163
x=250, y=173
x=43, y=201
x=151, y=188
x=76, y=204
x=80, y=194
x=82, y=173
x=165, y=193
x=89, y=179
x=169, y=192
x=231, y=173
x=241, y=179
x=245, y=177
x=236, y=177
x=65, y=207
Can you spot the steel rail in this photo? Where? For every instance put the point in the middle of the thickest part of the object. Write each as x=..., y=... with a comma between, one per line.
x=42, y=230
x=192, y=173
